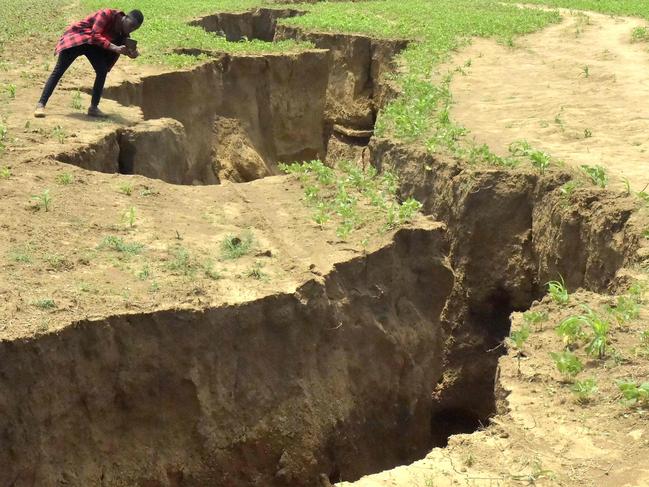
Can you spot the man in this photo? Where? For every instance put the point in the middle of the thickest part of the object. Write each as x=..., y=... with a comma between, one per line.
x=101, y=38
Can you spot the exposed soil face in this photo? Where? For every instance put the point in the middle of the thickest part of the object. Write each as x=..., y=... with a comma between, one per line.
x=253, y=24
x=576, y=90
x=270, y=392
x=241, y=115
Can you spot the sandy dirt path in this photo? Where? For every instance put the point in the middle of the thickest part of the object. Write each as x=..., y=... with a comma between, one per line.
x=578, y=90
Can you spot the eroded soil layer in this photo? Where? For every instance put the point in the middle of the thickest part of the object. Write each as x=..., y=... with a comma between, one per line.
x=240, y=116
x=272, y=392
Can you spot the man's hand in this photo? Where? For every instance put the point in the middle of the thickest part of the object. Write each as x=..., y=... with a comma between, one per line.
x=121, y=50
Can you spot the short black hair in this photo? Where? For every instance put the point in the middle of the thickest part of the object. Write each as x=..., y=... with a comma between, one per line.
x=137, y=16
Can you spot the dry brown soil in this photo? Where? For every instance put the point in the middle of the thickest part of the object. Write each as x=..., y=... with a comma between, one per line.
x=577, y=90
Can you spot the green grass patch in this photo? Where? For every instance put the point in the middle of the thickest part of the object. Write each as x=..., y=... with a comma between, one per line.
x=119, y=245
x=166, y=28
x=352, y=196
x=235, y=246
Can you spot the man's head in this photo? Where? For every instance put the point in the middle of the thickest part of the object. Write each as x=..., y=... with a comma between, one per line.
x=132, y=21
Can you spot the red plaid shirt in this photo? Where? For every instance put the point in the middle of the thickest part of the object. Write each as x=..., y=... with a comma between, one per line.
x=99, y=29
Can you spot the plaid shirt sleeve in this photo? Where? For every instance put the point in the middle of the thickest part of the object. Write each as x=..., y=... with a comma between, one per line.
x=103, y=19
x=95, y=29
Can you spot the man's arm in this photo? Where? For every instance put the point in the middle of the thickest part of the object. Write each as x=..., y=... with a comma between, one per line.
x=98, y=37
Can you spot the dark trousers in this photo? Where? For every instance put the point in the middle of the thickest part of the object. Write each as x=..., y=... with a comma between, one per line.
x=98, y=57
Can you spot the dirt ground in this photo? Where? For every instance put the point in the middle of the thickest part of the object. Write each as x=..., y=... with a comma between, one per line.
x=576, y=90
x=59, y=266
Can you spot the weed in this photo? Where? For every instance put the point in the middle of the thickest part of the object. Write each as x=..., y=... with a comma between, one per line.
x=11, y=90
x=256, y=273
x=181, y=262
x=535, y=318
x=640, y=34
x=211, y=273
x=3, y=136
x=642, y=350
x=518, y=339
x=5, y=172
x=539, y=159
x=585, y=71
x=568, y=189
x=558, y=291
x=600, y=327
x=21, y=254
x=64, y=178
x=597, y=174
x=149, y=192
x=233, y=246
x=627, y=186
x=588, y=133
x=570, y=330
x=568, y=364
x=44, y=304
x=144, y=273
x=129, y=216
x=637, y=291
x=76, y=101
x=118, y=244
x=59, y=133
x=584, y=390
x=625, y=309
x=634, y=393
x=126, y=189
x=43, y=200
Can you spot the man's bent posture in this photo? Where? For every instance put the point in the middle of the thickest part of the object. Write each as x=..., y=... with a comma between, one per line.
x=101, y=38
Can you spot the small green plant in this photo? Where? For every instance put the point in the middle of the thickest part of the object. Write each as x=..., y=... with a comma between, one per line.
x=600, y=327
x=539, y=159
x=76, y=101
x=210, y=273
x=588, y=133
x=584, y=390
x=118, y=244
x=181, y=262
x=625, y=309
x=640, y=34
x=627, y=186
x=585, y=71
x=5, y=172
x=64, y=178
x=634, y=393
x=59, y=134
x=571, y=331
x=22, y=254
x=11, y=90
x=558, y=291
x=637, y=291
x=144, y=273
x=43, y=200
x=642, y=350
x=129, y=216
x=597, y=174
x=535, y=318
x=518, y=339
x=568, y=364
x=568, y=189
x=256, y=272
x=45, y=303
x=126, y=189
x=233, y=246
